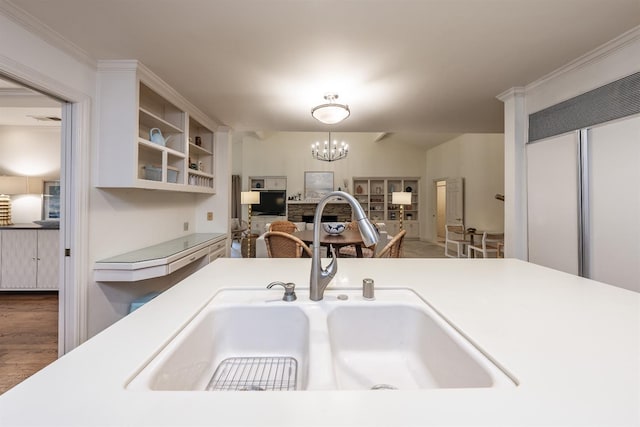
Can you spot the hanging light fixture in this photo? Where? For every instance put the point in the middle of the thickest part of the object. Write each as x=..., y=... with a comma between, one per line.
x=330, y=113
x=330, y=150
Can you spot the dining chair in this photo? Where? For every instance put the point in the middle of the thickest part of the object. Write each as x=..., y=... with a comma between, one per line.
x=281, y=244
x=285, y=226
x=489, y=245
x=350, y=251
x=239, y=228
x=393, y=249
x=454, y=235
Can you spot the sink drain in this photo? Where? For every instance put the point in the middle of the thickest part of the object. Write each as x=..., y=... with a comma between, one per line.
x=383, y=387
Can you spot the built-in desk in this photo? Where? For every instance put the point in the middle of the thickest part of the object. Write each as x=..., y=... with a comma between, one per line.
x=161, y=259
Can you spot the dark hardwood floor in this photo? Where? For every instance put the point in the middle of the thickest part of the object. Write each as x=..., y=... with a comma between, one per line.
x=28, y=334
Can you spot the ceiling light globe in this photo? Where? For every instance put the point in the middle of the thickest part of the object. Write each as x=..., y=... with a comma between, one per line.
x=330, y=114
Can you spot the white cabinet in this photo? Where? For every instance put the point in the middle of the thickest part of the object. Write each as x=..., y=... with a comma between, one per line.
x=149, y=136
x=375, y=196
x=218, y=250
x=30, y=259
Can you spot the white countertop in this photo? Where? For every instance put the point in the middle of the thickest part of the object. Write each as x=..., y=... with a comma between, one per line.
x=572, y=344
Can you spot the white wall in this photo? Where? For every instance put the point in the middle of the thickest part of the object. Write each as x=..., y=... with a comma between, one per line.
x=604, y=65
x=479, y=159
x=289, y=154
x=610, y=62
x=29, y=151
x=117, y=221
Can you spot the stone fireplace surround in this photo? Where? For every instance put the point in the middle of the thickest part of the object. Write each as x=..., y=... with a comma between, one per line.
x=304, y=211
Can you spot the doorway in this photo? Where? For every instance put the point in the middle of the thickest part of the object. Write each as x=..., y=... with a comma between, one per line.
x=441, y=209
x=449, y=203
x=32, y=148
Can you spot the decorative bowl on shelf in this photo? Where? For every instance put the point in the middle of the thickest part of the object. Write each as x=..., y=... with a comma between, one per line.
x=334, y=228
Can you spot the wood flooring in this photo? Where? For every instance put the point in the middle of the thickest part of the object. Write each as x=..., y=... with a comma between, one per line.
x=28, y=334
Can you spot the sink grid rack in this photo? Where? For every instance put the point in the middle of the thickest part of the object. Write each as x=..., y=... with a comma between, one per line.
x=255, y=374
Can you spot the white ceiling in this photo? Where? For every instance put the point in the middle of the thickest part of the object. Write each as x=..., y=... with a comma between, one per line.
x=20, y=106
x=423, y=69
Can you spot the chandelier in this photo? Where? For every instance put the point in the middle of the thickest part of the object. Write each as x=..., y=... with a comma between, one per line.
x=330, y=113
x=330, y=151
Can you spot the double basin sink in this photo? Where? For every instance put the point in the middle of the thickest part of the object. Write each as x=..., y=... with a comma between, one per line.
x=252, y=340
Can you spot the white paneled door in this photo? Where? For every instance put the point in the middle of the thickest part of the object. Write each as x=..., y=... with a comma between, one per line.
x=455, y=201
x=552, y=180
x=614, y=203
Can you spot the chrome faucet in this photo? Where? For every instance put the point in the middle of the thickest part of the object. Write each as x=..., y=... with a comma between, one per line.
x=321, y=277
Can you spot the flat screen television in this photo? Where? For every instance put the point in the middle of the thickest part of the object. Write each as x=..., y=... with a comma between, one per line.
x=272, y=202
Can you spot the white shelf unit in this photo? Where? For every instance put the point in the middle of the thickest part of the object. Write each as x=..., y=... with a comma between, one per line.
x=374, y=195
x=201, y=157
x=133, y=101
x=262, y=183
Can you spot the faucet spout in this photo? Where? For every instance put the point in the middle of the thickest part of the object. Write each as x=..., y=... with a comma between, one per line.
x=321, y=277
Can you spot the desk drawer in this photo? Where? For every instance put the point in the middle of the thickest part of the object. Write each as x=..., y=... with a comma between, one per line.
x=220, y=253
x=216, y=247
x=178, y=264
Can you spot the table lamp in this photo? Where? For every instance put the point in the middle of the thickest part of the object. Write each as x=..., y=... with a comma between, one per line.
x=401, y=198
x=249, y=198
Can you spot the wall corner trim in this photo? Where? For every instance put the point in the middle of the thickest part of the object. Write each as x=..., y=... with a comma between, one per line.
x=510, y=93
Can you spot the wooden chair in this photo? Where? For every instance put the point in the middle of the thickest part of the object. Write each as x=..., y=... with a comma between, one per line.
x=489, y=245
x=454, y=235
x=351, y=225
x=284, y=245
x=393, y=249
x=284, y=226
x=350, y=251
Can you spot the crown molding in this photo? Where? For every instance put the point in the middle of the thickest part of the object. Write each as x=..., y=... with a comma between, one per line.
x=38, y=28
x=595, y=55
x=511, y=93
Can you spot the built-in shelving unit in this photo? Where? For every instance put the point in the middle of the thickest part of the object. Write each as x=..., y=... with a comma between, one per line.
x=133, y=101
x=262, y=183
x=374, y=195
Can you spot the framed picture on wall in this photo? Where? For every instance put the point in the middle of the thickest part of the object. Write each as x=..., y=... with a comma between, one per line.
x=317, y=184
x=51, y=200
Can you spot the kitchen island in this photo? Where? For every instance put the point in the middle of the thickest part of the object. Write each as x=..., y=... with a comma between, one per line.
x=572, y=346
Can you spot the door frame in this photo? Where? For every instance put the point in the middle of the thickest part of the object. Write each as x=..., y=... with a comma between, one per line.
x=74, y=186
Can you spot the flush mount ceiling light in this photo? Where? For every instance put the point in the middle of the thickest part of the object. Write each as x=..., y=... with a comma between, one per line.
x=330, y=113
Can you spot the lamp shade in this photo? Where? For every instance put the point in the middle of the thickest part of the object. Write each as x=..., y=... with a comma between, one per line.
x=35, y=185
x=401, y=198
x=10, y=185
x=250, y=197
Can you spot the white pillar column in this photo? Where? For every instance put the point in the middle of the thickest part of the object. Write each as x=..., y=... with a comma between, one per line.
x=515, y=173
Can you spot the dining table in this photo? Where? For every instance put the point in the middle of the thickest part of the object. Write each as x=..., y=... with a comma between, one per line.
x=472, y=233
x=346, y=238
